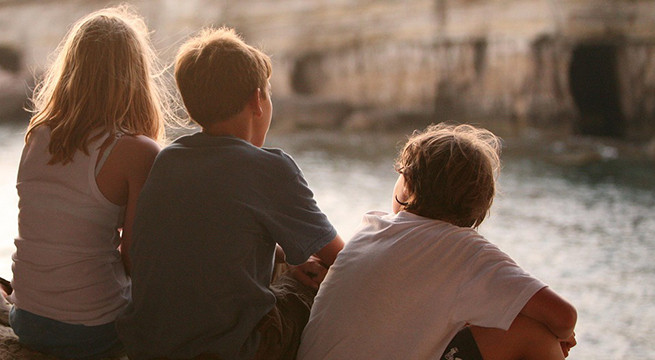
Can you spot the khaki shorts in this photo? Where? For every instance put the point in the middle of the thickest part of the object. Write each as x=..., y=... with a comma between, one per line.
x=282, y=327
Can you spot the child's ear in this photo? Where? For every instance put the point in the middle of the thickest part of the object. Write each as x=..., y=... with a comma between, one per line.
x=255, y=102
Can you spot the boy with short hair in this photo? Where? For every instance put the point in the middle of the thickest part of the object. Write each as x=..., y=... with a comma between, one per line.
x=409, y=282
x=214, y=214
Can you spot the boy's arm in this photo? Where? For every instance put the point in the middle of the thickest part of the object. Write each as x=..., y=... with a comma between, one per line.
x=552, y=310
x=328, y=254
x=313, y=271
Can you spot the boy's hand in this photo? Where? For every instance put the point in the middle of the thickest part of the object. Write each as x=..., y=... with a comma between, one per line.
x=568, y=344
x=310, y=273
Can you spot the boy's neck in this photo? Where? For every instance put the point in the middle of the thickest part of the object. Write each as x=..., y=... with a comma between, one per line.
x=238, y=126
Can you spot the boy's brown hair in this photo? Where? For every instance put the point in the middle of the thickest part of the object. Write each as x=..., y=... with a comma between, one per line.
x=450, y=173
x=217, y=73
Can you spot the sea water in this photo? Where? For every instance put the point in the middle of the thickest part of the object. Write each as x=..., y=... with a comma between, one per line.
x=586, y=230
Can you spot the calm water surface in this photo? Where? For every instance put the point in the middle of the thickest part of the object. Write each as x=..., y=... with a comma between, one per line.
x=587, y=231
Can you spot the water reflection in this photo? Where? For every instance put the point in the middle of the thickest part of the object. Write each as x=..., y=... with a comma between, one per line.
x=11, y=144
x=585, y=230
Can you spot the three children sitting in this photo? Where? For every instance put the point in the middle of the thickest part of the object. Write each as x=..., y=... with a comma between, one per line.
x=218, y=211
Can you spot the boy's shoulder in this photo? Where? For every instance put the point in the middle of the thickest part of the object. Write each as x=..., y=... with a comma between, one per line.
x=465, y=239
x=228, y=147
x=202, y=140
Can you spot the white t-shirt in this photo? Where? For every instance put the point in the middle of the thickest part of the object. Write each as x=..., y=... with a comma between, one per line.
x=66, y=266
x=404, y=285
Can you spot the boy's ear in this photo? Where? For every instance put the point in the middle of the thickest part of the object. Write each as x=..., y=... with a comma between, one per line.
x=255, y=102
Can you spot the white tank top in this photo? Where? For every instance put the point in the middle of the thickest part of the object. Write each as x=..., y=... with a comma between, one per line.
x=66, y=266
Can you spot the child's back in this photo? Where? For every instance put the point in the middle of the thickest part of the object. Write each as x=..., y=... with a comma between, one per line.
x=403, y=287
x=203, y=260
x=68, y=239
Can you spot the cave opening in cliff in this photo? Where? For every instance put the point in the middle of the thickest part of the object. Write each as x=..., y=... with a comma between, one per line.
x=10, y=59
x=595, y=89
x=306, y=74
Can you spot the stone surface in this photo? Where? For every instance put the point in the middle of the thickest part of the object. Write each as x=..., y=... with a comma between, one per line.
x=11, y=349
x=387, y=120
x=13, y=96
x=480, y=61
x=302, y=112
x=650, y=149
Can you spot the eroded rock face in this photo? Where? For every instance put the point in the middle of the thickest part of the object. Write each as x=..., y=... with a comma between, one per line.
x=521, y=63
x=13, y=85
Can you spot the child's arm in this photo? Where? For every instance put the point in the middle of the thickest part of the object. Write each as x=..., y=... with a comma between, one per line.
x=121, y=180
x=328, y=254
x=313, y=271
x=552, y=310
x=143, y=152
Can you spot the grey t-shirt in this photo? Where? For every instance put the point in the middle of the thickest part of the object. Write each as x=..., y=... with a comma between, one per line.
x=207, y=222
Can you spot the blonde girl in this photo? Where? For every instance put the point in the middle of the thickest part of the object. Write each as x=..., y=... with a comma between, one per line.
x=98, y=117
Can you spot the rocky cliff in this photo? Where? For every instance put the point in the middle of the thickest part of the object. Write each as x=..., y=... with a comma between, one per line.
x=573, y=66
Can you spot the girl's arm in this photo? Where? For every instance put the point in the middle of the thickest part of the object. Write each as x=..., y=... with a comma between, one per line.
x=139, y=153
x=121, y=180
x=547, y=307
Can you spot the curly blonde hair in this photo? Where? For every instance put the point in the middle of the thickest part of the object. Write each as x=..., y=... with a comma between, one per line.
x=105, y=75
x=450, y=173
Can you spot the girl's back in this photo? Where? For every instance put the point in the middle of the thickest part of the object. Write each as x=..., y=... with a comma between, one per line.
x=67, y=239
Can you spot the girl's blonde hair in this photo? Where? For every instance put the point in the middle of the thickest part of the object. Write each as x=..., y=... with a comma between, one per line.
x=450, y=173
x=105, y=75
